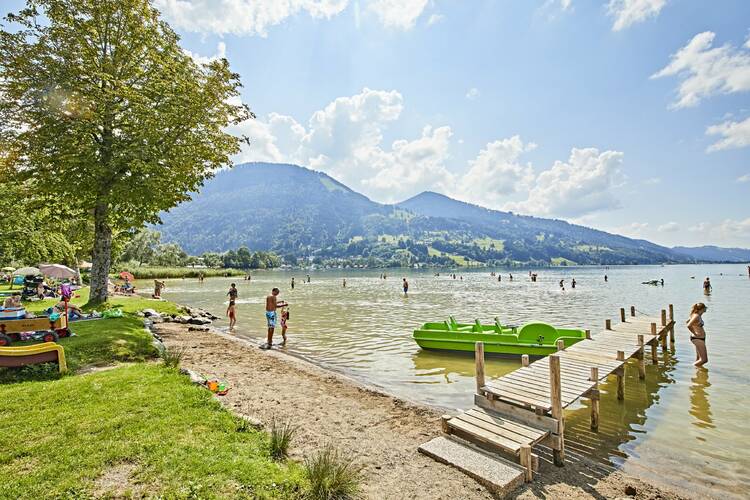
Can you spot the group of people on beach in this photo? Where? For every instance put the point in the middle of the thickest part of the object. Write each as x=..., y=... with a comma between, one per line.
x=272, y=304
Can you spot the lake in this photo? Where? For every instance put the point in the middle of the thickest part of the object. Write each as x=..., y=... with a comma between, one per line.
x=683, y=426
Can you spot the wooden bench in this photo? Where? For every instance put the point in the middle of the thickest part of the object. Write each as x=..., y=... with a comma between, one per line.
x=14, y=357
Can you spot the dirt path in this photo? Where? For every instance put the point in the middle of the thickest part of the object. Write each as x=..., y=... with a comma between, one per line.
x=383, y=432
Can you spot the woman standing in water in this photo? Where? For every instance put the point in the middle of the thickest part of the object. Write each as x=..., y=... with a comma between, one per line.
x=698, y=337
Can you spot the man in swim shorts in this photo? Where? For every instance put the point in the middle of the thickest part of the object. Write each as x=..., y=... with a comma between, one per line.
x=272, y=303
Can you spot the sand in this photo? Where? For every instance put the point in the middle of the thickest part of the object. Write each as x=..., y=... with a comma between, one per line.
x=381, y=431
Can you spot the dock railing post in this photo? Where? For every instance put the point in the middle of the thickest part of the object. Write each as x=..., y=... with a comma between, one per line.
x=621, y=376
x=622, y=314
x=654, y=357
x=671, y=320
x=479, y=363
x=524, y=360
x=560, y=344
x=663, y=332
x=555, y=389
x=595, y=398
x=632, y=311
x=524, y=456
x=588, y=334
x=641, y=359
x=607, y=324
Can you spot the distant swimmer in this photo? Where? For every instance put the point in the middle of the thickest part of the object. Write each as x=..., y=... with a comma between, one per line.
x=344, y=283
x=573, y=283
x=606, y=279
x=499, y=277
x=511, y=276
x=562, y=285
x=698, y=338
x=292, y=282
x=406, y=287
x=308, y=278
x=707, y=288
x=662, y=281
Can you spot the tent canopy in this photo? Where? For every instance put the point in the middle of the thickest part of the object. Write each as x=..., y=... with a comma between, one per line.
x=25, y=271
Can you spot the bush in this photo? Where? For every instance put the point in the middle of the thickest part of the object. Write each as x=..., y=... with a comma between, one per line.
x=171, y=357
x=149, y=272
x=332, y=476
x=281, y=436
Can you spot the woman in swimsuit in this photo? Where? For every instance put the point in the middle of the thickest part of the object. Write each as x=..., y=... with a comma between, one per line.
x=698, y=337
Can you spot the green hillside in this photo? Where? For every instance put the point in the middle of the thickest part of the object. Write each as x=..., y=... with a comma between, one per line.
x=303, y=214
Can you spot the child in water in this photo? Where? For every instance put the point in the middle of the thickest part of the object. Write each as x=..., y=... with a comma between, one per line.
x=284, y=319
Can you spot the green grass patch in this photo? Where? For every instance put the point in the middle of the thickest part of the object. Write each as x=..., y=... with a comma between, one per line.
x=487, y=243
x=145, y=425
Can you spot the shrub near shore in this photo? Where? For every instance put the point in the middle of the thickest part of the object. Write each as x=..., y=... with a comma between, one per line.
x=146, y=273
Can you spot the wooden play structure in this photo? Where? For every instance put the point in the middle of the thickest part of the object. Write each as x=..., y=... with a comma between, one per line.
x=13, y=357
x=524, y=408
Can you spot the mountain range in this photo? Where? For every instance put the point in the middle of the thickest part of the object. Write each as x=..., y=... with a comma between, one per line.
x=303, y=214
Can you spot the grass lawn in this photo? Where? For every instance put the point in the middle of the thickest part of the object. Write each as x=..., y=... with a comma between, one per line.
x=133, y=430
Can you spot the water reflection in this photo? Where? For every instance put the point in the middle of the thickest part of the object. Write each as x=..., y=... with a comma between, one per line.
x=700, y=408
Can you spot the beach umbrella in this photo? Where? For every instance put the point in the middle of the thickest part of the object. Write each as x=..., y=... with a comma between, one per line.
x=127, y=276
x=24, y=271
x=85, y=265
x=9, y=269
x=57, y=271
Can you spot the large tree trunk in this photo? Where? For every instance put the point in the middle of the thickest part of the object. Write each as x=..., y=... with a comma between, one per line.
x=101, y=254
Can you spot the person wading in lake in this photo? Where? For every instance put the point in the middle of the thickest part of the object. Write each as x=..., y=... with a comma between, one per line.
x=292, y=282
x=707, y=286
x=406, y=287
x=573, y=283
x=698, y=337
x=232, y=314
x=271, y=305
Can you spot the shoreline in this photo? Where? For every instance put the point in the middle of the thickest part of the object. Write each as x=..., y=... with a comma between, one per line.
x=382, y=430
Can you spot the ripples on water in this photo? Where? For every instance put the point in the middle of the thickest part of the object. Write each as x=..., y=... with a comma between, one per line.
x=683, y=426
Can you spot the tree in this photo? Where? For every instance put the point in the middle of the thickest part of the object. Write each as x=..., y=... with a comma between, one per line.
x=108, y=112
x=170, y=254
x=142, y=246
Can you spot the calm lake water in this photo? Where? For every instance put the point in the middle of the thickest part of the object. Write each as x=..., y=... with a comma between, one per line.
x=683, y=426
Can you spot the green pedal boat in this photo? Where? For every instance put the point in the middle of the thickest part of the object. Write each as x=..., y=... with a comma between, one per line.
x=534, y=339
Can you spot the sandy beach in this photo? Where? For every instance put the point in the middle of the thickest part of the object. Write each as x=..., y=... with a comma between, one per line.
x=381, y=431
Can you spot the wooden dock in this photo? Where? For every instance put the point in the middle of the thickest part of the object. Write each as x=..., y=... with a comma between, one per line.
x=524, y=408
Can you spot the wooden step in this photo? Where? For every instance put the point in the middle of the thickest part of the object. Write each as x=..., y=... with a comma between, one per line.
x=493, y=431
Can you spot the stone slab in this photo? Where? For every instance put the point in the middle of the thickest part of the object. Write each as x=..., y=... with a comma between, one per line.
x=499, y=476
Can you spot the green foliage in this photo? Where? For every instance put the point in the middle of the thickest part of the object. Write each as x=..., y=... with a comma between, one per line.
x=102, y=108
x=332, y=476
x=149, y=272
x=281, y=436
x=171, y=357
x=142, y=246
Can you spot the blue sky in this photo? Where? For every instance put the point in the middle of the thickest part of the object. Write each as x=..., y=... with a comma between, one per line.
x=631, y=116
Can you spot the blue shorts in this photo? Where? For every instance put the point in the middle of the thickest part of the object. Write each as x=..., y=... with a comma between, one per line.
x=271, y=319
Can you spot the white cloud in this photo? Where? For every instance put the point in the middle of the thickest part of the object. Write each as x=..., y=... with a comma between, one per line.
x=242, y=17
x=551, y=8
x=434, y=19
x=707, y=70
x=344, y=139
x=496, y=173
x=728, y=231
x=733, y=135
x=399, y=14
x=652, y=181
x=629, y=12
x=472, y=93
x=221, y=52
x=584, y=184
x=669, y=227
x=744, y=178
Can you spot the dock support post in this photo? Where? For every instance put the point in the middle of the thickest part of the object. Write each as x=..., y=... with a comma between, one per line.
x=560, y=344
x=641, y=359
x=671, y=320
x=621, y=376
x=444, y=423
x=588, y=334
x=479, y=363
x=525, y=459
x=622, y=314
x=663, y=335
x=524, y=360
x=632, y=310
x=555, y=388
x=607, y=324
x=595, y=398
x=654, y=357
